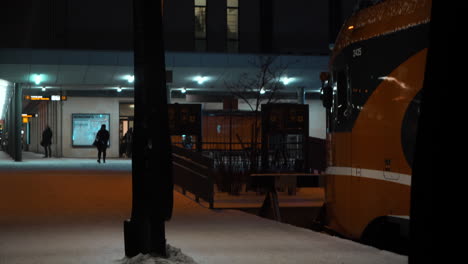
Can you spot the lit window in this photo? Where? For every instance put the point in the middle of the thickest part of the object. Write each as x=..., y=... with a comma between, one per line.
x=232, y=16
x=200, y=19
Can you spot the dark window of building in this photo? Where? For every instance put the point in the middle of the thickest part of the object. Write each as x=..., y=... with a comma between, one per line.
x=200, y=24
x=232, y=25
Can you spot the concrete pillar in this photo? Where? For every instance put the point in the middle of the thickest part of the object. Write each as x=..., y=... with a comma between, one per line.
x=301, y=95
x=16, y=121
x=54, y=120
x=169, y=95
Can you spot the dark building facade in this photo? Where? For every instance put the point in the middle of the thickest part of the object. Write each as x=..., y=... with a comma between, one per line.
x=245, y=26
x=84, y=49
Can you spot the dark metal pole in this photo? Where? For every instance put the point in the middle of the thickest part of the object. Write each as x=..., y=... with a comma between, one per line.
x=14, y=123
x=152, y=182
x=17, y=122
x=10, y=127
x=301, y=95
x=431, y=148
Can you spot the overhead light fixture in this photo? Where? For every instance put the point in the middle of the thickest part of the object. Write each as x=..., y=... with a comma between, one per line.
x=37, y=78
x=43, y=88
x=262, y=91
x=119, y=89
x=130, y=78
x=286, y=80
x=200, y=79
x=183, y=90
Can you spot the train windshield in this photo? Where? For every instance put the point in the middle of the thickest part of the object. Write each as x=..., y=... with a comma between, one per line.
x=341, y=93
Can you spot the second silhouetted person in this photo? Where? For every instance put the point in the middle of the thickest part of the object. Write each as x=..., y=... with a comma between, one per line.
x=47, y=141
x=102, y=138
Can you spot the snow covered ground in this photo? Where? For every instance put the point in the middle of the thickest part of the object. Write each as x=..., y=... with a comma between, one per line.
x=71, y=211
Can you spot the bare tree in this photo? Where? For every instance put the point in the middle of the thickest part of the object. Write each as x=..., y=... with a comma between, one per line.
x=263, y=85
x=258, y=88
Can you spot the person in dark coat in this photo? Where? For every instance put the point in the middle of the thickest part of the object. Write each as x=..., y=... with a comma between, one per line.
x=47, y=141
x=129, y=142
x=102, y=138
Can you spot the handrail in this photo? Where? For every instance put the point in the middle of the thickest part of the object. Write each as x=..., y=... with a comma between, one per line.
x=194, y=173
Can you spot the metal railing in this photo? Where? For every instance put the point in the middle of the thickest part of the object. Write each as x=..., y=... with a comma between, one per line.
x=234, y=162
x=194, y=173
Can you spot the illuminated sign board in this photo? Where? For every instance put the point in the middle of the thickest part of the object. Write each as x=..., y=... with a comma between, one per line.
x=85, y=128
x=184, y=119
x=45, y=98
x=26, y=117
x=285, y=118
x=36, y=98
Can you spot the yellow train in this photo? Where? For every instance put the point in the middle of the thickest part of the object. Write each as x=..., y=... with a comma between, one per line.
x=372, y=93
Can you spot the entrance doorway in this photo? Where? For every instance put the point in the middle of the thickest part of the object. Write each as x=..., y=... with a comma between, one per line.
x=126, y=113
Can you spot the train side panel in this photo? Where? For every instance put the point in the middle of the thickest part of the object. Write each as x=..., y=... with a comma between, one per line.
x=372, y=124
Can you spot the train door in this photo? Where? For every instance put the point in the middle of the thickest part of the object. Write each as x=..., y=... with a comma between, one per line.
x=389, y=117
x=358, y=200
x=339, y=190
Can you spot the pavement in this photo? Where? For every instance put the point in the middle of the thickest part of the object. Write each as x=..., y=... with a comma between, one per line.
x=72, y=211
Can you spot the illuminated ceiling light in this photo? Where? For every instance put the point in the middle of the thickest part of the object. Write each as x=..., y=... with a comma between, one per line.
x=119, y=89
x=351, y=27
x=43, y=88
x=200, y=79
x=183, y=90
x=130, y=78
x=262, y=91
x=37, y=78
x=286, y=80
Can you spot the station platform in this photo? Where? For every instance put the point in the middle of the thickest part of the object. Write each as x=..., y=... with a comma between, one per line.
x=304, y=197
x=72, y=211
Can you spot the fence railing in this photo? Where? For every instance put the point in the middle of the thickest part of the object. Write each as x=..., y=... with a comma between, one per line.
x=194, y=173
x=234, y=162
x=229, y=165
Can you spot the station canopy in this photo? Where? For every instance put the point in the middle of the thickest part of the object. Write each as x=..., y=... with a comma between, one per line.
x=110, y=73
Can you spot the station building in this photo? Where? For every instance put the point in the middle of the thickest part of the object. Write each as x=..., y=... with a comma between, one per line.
x=69, y=64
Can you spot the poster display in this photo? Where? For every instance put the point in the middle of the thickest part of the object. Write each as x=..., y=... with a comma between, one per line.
x=85, y=128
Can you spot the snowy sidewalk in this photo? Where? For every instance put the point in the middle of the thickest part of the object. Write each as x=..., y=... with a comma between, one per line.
x=68, y=216
x=231, y=236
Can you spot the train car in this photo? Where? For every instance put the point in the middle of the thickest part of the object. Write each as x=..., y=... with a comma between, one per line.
x=372, y=94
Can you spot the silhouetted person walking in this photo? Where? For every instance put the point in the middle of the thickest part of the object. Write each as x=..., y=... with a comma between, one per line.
x=47, y=141
x=129, y=142
x=102, y=137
